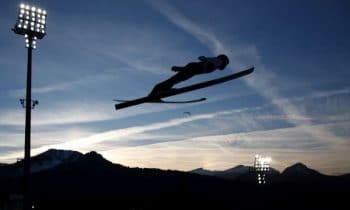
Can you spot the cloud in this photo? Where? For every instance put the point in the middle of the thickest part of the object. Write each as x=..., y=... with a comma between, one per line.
x=119, y=134
x=47, y=136
x=329, y=93
x=63, y=86
x=90, y=142
x=80, y=112
x=71, y=112
x=47, y=89
x=136, y=47
x=181, y=21
x=63, y=115
x=286, y=146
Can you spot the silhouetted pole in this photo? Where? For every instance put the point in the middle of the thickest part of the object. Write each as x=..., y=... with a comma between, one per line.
x=28, y=106
x=31, y=23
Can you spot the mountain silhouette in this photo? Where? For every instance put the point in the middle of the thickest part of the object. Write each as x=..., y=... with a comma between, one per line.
x=229, y=173
x=241, y=173
x=52, y=158
x=300, y=170
x=89, y=181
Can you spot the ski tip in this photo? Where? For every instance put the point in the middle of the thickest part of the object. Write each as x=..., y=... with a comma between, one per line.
x=247, y=71
x=250, y=70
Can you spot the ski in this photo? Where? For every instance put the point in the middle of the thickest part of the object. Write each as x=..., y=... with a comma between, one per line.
x=176, y=91
x=167, y=102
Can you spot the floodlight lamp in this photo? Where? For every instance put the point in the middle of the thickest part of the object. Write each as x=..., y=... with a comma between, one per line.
x=31, y=21
x=262, y=163
x=262, y=166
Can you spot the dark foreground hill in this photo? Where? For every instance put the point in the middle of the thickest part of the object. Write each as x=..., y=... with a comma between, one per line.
x=71, y=180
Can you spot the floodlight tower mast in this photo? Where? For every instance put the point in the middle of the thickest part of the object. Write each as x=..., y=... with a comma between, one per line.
x=31, y=23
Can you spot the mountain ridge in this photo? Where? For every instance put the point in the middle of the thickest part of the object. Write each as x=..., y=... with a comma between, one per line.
x=89, y=181
x=54, y=157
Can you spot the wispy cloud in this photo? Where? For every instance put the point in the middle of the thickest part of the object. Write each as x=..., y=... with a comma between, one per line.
x=119, y=134
x=63, y=86
x=286, y=146
x=135, y=47
x=321, y=94
x=181, y=21
x=80, y=112
x=61, y=116
x=91, y=141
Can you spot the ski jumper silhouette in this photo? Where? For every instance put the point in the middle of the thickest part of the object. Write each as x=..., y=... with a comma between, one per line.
x=205, y=66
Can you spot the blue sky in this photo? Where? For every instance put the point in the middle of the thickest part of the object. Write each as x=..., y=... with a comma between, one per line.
x=294, y=107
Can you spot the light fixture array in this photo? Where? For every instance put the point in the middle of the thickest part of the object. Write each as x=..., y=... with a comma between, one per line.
x=262, y=166
x=31, y=23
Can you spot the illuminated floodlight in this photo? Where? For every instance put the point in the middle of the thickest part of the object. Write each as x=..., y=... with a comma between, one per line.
x=31, y=21
x=262, y=166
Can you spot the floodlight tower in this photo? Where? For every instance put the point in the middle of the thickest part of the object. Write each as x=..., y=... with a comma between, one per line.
x=31, y=23
x=261, y=166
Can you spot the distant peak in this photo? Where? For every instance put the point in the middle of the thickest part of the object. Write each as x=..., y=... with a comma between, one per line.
x=299, y=169
x=203, y=171
x=240, y=166
x=52, y=158
x=57, y=154
x=199, y=169
x=299, y=165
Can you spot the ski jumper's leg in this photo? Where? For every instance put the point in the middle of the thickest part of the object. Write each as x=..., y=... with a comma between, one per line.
x=187, y=73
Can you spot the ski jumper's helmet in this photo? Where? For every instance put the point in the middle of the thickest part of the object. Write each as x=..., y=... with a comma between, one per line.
x=225, y=61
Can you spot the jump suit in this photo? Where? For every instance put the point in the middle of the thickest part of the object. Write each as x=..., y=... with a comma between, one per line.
x=184, y=73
